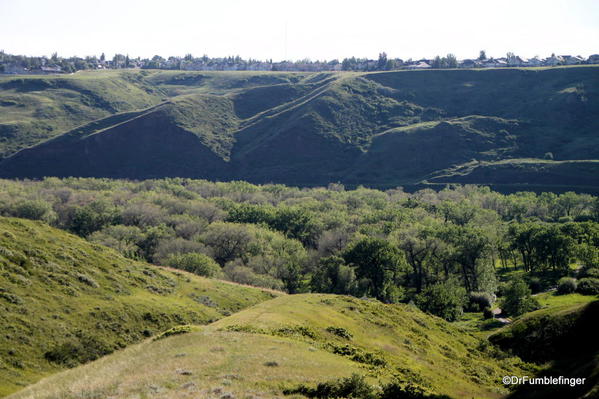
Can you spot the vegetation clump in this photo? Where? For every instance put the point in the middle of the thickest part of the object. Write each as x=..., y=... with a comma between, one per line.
x=517, y=299
x=177, y=330
x=566, y=285
x=340, y=332
x=356, y=387
x=588, y=286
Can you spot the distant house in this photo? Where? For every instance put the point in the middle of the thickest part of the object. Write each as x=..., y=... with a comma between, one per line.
x=516, y=61
x=51, y=69
x=572, y=60
x=495, y=63
x=419, y=65
x=593, y=59
x=553, y=60
x=533, y=62
x=468, y=63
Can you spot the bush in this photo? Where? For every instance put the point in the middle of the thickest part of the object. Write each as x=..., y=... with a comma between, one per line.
x=177, y=330
x=535, y=284
x=488, y=313
x=446, y=300
x=34, y=210
x=241, y=274
x=566, y=285
x=354, y=387
x=501, y=288
x=399, y=390
x=517, y=299
x=588, y=286
x=340, y=332
x=80, y=349
x=480, y=300
x=195, y=263
x=589, y=272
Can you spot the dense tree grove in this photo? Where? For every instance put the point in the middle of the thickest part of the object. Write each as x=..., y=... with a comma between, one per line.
x=445, y=251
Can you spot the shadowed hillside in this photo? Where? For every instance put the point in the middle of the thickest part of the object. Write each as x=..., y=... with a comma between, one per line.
x=380, y=129
x=566, y=338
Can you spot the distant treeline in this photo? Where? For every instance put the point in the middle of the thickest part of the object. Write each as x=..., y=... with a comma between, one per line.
x=427, y=246
x=19, y=64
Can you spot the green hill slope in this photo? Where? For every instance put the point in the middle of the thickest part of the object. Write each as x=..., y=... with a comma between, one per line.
x=64, y=301
x=383, y=129
x=291, y=340
x=566, y=338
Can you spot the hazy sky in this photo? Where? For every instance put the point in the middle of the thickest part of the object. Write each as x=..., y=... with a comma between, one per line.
x=282, y=29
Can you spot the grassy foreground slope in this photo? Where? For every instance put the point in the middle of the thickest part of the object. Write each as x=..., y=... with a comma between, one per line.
x=64, y=301
x=292, y=340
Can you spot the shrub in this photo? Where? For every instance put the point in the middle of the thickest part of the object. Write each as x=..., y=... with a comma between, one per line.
x=10, y=298
x=488, y=313
x=354, y=387
x=446, y=300
x=87, y=280
x=34, y=210
x=195, y=263
x=588, y=286
x=245, y=275
x=535, y=284
x=590, y=272
x=340, y=332
x=517, y=299
x=480, y=301
x=398, y=390
x=79, y=349
x=501, y=288
x=177, y=330
x=271, y=364
x=566, y=285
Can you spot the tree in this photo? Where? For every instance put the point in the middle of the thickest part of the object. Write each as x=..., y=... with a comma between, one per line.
x=517, y=299
x=226, y=241
x=195, y=263
x=382, y=62
x=296, y=223
x=482, y=55
x=34, y=210
x=451, y=61
x=333, y=276
x=470, y=250
x=92, y=217
x=382, y=264
x=446, y=300
x=421, y=248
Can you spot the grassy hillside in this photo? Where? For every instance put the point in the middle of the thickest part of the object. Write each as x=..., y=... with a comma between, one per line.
x=64, y=301
x=563, y=336
x=291, y=340
x=35, y=108
x=383, y=129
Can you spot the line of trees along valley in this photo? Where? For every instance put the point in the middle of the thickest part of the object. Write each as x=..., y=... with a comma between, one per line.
x=445, y=251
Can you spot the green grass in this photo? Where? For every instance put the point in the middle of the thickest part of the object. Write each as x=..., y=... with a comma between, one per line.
x=291, y=340
x=76, y=301
x=553, y=300
x=381, y=129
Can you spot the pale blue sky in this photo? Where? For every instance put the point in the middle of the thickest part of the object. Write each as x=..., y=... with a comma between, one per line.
x=315, y=29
